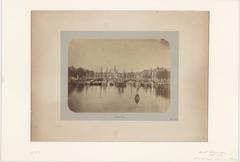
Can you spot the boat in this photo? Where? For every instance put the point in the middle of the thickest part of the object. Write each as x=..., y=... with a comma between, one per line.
x=137, y=98
x=121, y=83
x=111, y=83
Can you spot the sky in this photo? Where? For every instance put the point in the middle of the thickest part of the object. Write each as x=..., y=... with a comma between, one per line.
x=126, y=54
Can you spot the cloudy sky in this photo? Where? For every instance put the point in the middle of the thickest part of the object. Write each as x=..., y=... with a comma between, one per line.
x=125, y=54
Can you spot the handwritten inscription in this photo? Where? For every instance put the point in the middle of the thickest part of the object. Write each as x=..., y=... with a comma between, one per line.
x=214, y=156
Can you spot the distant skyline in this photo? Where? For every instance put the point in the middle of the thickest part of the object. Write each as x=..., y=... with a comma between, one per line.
x=125, y=54
x=104, y=69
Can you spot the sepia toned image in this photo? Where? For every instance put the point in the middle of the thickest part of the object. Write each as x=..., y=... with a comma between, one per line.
x=119, y=75
x=146, y=80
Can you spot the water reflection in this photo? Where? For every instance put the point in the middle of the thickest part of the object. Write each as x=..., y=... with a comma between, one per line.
x=163, y=90
x=80, y=88
x=120, y=90
x=95, y=98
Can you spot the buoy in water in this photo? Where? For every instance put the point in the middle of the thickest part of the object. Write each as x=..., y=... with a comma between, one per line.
x=137, y=98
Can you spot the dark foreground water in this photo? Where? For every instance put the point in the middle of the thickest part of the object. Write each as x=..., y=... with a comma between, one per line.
x=89, y=98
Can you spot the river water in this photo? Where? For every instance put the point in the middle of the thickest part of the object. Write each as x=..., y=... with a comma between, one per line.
x=89, y=98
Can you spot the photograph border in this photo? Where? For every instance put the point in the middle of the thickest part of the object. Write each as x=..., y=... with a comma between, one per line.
x=171, y=36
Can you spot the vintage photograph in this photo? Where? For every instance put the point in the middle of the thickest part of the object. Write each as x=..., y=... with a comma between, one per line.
x=119, y=75
x=95, y=81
